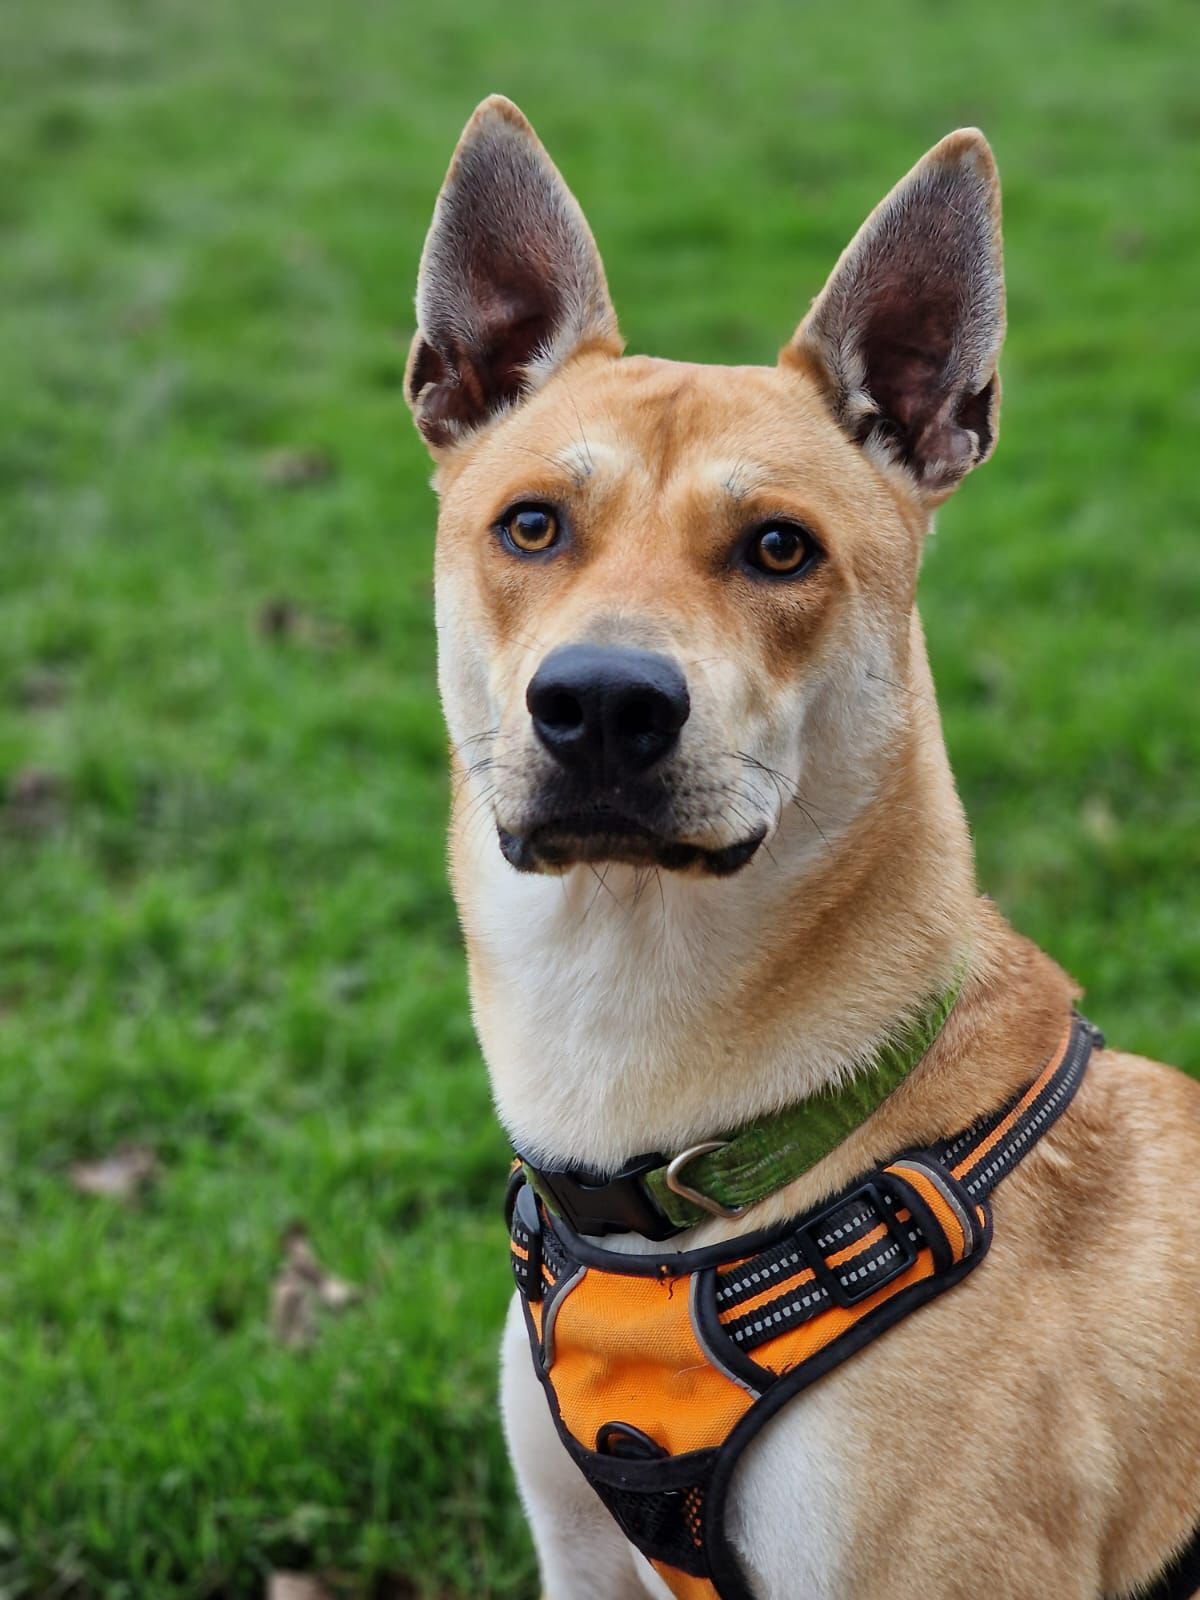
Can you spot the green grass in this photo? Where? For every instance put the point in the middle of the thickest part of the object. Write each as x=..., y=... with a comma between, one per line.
x=225, y=926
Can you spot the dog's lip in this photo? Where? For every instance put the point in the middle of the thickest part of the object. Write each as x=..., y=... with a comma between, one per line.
x=605, y=834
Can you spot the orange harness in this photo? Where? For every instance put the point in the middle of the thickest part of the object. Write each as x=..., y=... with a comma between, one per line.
x=659, y=1369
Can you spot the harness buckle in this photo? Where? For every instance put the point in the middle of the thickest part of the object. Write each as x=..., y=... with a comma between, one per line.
x=685, y=1191
x=596, y=1205
x=847, y=1290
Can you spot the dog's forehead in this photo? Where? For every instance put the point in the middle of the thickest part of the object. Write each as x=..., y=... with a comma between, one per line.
x=731, y=428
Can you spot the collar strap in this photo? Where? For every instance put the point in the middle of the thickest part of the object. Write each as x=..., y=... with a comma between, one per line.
x=658, y=1196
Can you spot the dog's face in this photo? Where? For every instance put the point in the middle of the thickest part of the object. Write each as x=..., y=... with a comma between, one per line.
x=675, y=603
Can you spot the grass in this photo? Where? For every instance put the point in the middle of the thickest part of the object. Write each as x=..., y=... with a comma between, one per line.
x=226, y=930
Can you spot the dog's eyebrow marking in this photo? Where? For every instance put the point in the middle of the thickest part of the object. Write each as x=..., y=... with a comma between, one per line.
x=582, y=458
x=738, y=478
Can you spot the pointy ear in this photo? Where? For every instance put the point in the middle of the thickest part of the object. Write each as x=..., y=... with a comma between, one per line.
x=906, y=334
x=510, y=285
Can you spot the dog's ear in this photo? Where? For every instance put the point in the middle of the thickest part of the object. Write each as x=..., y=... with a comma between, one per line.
x=510, y=285
x=906, y=334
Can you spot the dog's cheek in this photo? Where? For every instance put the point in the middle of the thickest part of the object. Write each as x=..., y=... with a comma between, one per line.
x=854, y=722
x=463, y=678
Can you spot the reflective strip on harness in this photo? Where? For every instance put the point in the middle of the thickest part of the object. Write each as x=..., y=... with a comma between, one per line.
x=659, y=1369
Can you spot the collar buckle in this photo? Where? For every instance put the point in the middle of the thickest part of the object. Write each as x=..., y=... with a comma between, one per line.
x=696, y=1197
x=596, y=1206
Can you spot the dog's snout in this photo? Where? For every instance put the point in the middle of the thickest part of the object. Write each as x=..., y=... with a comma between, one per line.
x=606, y=712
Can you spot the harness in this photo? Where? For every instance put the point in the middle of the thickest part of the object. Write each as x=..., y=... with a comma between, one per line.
x=660, y=1369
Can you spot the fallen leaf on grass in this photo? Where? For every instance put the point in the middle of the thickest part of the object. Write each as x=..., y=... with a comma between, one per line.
x=302, y=1288
x=119, y=1176
x=297, y=468
x=1129, y=243
x=282, y=619
x=1099, y=820
x=34, y=802
x=41, y=689
x=296, y=1586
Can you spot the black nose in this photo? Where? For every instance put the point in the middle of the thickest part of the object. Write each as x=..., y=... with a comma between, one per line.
x=607, y=712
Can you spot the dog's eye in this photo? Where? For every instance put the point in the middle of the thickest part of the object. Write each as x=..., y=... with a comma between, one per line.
x=781, y=549
x=530, y=529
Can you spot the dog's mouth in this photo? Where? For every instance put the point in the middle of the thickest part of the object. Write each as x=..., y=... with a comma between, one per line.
x=605, y=835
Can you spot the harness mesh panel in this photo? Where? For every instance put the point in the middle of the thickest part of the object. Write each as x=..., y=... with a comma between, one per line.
x=666, y=1524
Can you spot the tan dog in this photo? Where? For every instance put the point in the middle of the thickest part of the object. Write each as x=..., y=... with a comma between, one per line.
x=708, y=851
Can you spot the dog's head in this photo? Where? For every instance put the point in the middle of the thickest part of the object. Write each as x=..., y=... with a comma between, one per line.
x=676, y=603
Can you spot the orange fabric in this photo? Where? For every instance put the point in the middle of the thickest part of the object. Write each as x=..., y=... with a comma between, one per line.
x=624, y=1351
x=682, y=1586
x=975, y=1154
x=936, y=1201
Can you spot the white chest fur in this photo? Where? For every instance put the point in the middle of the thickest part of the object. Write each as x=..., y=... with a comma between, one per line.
x=614, y=1008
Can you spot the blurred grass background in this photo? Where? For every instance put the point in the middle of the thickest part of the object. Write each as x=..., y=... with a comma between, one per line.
x=225, y=927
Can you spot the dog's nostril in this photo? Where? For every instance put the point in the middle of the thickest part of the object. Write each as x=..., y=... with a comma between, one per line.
x=561, y=711
x=638, y=715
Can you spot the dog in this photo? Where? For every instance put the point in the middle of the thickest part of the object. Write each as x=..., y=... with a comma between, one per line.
x=709, y=858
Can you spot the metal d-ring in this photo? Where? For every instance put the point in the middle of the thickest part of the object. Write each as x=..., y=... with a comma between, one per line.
x=685, y=1192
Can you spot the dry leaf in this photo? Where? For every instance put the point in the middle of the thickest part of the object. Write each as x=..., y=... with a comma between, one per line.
x=293, y=1311
x=295, y=469
x=296, y=1586
x=1129, y=243
x=335, y=1294
x=119, y=1176
x=301, y=1288
x=1099, y=819
x=41, y=689
x=34, y=802
x=282, y=619
x=277, y=619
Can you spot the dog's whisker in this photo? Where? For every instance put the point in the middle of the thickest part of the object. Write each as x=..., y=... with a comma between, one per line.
x=804, y=811
x=901, y=688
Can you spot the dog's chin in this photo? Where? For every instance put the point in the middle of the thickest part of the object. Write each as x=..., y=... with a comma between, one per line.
x=559, y=843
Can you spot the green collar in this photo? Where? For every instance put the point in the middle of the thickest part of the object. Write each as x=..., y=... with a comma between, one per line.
x=723, y=1177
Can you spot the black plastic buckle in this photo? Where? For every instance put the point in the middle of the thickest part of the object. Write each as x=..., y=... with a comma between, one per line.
x=829, y=1277
x=594, y=1205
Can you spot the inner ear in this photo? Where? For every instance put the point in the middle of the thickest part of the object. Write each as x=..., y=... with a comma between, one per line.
x=466, y=379
x=910, y=357
x=511, y=284
x=906, y=334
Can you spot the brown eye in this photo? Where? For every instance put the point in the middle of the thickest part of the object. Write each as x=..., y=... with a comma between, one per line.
x=781, y=549
x=530, y=529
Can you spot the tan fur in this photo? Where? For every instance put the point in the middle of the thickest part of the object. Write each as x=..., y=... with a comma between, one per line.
x=1037, y=1431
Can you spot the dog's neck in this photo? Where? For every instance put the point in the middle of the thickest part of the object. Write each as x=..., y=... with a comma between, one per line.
x=621, y=1014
